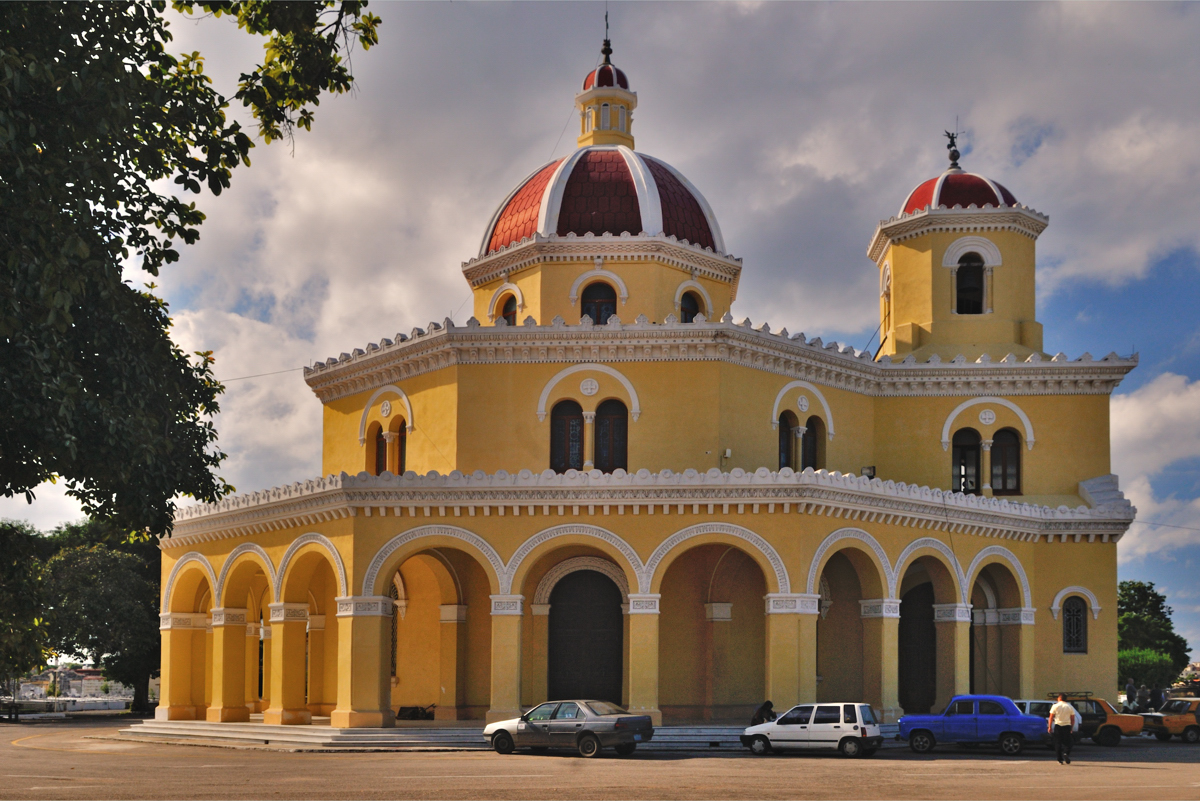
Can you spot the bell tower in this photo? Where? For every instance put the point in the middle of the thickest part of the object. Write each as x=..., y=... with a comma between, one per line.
x=606, y=105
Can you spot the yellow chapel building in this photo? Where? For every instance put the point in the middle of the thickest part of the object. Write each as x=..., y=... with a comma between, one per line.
x=602, y=485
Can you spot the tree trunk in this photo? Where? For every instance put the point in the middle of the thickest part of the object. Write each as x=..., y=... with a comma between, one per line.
x=141, y=696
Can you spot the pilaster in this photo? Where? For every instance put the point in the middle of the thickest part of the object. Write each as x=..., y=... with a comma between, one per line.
x=364, y=630
x=507, y=613
x=229, y=665
x=289, y=624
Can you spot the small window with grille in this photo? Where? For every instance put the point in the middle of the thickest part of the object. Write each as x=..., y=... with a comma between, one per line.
x=1074, y=620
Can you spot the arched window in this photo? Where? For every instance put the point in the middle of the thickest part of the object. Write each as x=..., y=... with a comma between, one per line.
x=612, y=436
x=623, y=115
x=965, y=454
x=587, y=118
x=969, y=285
x=689, y=307
x=787, y=440
x=509, y=310
x=812, y=453
x=1006, y=462
x=599, y=302
x=381, y=451
x=566, y=436
x=605, y=119
x=1074, y=620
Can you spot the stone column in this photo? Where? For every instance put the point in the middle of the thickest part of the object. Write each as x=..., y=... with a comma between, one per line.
x=953, y=290
x=507, y=612
x=229, y=666
x=393, y=454
x=1017, y=634
x=987, y=290
x=266, y=667
x=316, y=665
x=881, y=655
x=177, y=630
x=453, y=663
x=206, y=691
x=251, y=671
x=539, y=687
x=791, y=647
x=589, y=440
x=289, y=624
x=364, y=692
x=953, y=622
x=643, y=655
x=985, y=468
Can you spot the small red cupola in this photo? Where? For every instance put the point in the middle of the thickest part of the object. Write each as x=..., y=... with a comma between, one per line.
x=606, y=74
x=956, y=187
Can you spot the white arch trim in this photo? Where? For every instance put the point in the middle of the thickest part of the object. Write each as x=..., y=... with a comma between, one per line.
x=1014, y=563
x=691, y=283
x=972, y=244
x=600, y=274
x=802, y=385
x=761, y=545
x=400, y=540
x=322, y=541
x=635, y=408
x=244, y=548
x=889, y=575
x=940, y=547
x=565, y=568
x=507, y=286
x=649, y=202
x=408, y=415
x=527, y=547
x=1093, y=602
x=186, y=559
x=1007, y=404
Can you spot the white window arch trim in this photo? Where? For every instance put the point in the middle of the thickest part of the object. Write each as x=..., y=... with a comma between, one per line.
x=1084, y=592
x=1007, y=404
x=986, y=249
x=600, y=274
x=408, y=415
x=565, y=568
x=696, y=286
x=635, y=408
x=788, y=387
x=506, y=287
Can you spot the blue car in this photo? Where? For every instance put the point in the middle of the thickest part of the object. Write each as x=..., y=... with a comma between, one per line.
x=974, y=720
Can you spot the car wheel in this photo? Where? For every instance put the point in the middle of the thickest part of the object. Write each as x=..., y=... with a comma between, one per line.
x=589, y=746
x=1191, y=735
x=1162, y=736
x=1012, y=744
x=921, y=742
x=503, y=743
x=1109, y=737
x=760, y=746
x=850, y=747
x=625, y=749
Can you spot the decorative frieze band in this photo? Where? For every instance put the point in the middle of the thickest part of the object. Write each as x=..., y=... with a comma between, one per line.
x=253, y=630
x=880, y=607
x=228, y=616
x=364, y=606
x=952, y=613
x=508, y=604
x=452, y=613
x=181, y=620
x=1017, y=617
x=985, y=617
x=288, y=612
x=793, y=603
x=644, y=603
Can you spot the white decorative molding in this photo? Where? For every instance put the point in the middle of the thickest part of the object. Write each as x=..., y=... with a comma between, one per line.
x=635, y=408
x=696, y=286
x=857, y=535
x=286, y=612
x=1019, y=219
x=1017, y=616
x=718, y=612
x=782, y=582
x=1093, y=601
x=392, y=388
x=960, y=580
x=568, y=566
x=185, y=560
x=554, y=532
x=507, y=604
x=364, y=606
x=649, y=201
x=589, y=387
x=987, y=417
x=644, y=603
x=811, y=388
x=253, y=630
x=792, y=603
x=1014, y=563
x=505, y=287
x=181, y=620
x=228, y=616
x=1007, y=404
x=880, y=607
x=452, y=613
x=552, y=195
x=951, y=613
x=600, y=274
x=237, y=553
x=541, y=610
x=482, y=546
x=339, y=568
x=986, y=249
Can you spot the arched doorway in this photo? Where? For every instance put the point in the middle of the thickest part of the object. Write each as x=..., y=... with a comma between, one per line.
x=917, y=672
x=586, y=636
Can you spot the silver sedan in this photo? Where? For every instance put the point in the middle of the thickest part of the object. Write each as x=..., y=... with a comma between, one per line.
x=586, y=726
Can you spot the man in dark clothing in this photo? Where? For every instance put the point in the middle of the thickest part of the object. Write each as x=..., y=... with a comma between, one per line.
x=763, y=714
x=1130, y=693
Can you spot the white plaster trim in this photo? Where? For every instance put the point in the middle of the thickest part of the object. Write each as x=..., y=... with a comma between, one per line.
x=1007, y=404
x=601, y=274
x=408, y=415
x=244, y=548
x=300, y=542
x=986, y=248
x=527, y=547
x=792, y=603
x=1093, y=602
x=181, y=620
x=889, y=575
x=563, y=569
x=940, y=547
x=879, y=607
x=811, y=388
x=649, y=202
x=644, y=603
x=507, y=286
x=765, y=548
x=395, y=543
x=508, y=605
x=552, y=195
x=696, y=285
x=1013, y=561
x=956, y=613
x=1017, y=616
x=718, y=239
x=635, y=408
x=491, y=226
x=364, y=606
x=187, y=558
x=288, y=612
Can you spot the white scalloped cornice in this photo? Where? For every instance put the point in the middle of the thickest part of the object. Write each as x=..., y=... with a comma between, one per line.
x=1021, y=219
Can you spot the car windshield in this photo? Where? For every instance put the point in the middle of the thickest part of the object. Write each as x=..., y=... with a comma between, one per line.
x=605, y=708
x=1175, y=707
x=868, y=715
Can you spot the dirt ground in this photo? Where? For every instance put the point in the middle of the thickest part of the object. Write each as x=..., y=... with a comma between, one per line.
x=76, y=759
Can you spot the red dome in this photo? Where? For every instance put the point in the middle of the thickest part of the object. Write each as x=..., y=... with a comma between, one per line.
x=957, y=188
x=605, y=75
x=604, y=189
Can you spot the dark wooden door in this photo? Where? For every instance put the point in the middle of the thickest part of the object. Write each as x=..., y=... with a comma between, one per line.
x=586, y=638
x=918, y=651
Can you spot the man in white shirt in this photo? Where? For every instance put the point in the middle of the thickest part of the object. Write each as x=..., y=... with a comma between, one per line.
x=1059, y=725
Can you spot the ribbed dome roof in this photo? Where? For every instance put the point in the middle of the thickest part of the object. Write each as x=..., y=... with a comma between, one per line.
x=605, y=75
x=604, y=189
x=957, y=188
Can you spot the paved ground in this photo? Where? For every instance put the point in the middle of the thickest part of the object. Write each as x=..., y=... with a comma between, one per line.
x=76, y=760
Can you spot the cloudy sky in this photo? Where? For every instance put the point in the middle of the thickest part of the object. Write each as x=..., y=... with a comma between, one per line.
x=803, y=125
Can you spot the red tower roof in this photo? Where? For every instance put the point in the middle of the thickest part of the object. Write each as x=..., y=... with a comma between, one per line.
x=605, y=75
x=957, y=188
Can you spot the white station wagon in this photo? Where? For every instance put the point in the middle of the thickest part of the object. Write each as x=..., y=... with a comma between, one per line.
x=850, y=728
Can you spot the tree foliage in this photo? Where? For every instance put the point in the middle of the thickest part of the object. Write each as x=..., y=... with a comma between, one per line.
x=23, y=632
x=1146, y=667
x=1144, y=622
x=95, y=115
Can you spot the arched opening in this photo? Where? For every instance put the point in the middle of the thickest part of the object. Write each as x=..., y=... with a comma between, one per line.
x=850, y=632
x=788, y=425
x=246, y=586
x=965, y=452
x=599, y=301
x=381, y=451
x=605, y=118
x=376, y=449
x=586, y=638
x=566, y=436
x=927, y=646
x=304, y=647
x=624, y=116
x=969, y=287
x=186, y=689
x=995, y=644
x=712, y=635
x=1074, y=625
x=1006, y=462
x=689, y=306
x=813, y=444
x=508, y=310
x=612, y=436
x=398, y=455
